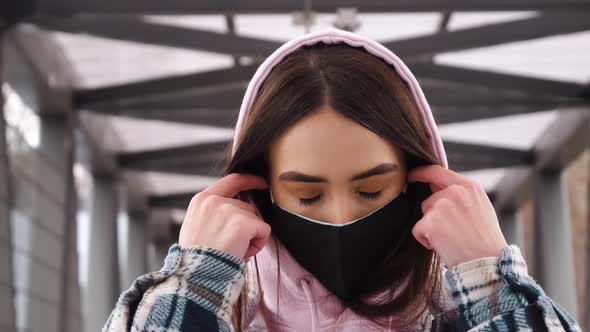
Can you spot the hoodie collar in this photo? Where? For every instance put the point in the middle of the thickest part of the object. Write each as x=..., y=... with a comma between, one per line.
x=336, y=36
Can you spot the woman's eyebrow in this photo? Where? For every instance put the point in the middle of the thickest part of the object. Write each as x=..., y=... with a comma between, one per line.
x=377, y=170
x=300, y=177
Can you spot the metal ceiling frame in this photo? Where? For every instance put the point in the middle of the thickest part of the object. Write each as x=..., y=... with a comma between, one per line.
x=133, y=7
x=211, y=97
x=133, y=29
x=225, y=76
x=130, y=99
x=556, y=147
x=194, y=159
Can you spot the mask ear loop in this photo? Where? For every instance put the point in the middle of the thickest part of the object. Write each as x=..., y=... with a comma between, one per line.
x=272, y=199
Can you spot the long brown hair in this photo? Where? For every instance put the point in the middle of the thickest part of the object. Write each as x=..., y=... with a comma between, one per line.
x=369, y=91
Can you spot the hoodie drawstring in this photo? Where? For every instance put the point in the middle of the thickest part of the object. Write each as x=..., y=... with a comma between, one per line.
x=315, y=327
x=312, y=305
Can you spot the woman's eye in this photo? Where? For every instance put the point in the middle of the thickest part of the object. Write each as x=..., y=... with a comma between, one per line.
x=374, y=195
x=309, y=201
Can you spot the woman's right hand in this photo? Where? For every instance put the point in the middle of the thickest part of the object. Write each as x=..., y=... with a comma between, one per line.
x=216, y=219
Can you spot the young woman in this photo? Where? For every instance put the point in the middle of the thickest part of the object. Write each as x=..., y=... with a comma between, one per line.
x=338, y=213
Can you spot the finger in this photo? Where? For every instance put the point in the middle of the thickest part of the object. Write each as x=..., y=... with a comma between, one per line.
x=241, y=205
x=437, y=176
x=432, y=199
x=232, y=184
x=421, y=233
x=262, y=231
x=245, y=214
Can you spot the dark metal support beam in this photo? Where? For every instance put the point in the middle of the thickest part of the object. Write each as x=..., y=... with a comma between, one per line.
x=562, y=142
x=221, y=117
x=545, y=25
x=570, y=133
x=71, y=7
x=225, y=118
x=160, y=34
x=202, y=158
x=439, y=95
x=226, y=76
x=13, y=11
x=454, y=114
x=195, y=81
x=497, y=81
x=224, y=97
x=469, y=156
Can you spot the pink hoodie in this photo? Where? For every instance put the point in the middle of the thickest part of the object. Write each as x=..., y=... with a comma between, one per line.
x=305, y=304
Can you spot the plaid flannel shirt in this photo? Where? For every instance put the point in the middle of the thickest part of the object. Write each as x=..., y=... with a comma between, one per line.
x=196, y=287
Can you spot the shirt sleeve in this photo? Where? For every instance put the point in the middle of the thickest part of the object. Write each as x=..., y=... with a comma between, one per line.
x=498, y=294
x=194, y=291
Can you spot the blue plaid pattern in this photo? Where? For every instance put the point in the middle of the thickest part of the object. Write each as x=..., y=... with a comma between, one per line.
x=197, y=286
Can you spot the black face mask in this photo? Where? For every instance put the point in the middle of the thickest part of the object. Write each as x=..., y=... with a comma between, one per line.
x=345, y=257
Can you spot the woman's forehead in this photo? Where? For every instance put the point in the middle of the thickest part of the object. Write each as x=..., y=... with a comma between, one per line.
x=326, y=141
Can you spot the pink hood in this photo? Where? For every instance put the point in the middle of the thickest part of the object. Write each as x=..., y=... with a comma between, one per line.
x=305, y=304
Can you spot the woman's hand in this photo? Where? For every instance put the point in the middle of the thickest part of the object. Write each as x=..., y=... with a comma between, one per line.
x=459, y=221
x=215, y=219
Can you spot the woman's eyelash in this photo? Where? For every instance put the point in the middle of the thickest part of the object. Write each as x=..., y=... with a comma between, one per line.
x=373, y=196
x=310, y=201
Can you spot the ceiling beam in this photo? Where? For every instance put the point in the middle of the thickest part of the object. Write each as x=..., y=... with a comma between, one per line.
x=556, y=147
x=437, y=93
x=564, y=140
x=71, y=7
x=204, y=159
x=13, y=11
x=226, y=118
x=208, y=79
x=47, y=70
x=497, y=81
x=456, y=114
x=217, y=117
x=545, y=25
x=132, y=29
x=224, y=97
x=465, y=157
x=218, y=106
x=220, y=77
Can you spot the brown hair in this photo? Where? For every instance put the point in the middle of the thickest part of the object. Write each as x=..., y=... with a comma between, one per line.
x=370, y=92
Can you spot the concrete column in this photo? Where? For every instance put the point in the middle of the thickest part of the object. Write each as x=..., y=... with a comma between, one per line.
x=41, y=175
x=135, y=259
x=72, y=315
x=103, y=272
x=554, y=259
x=7, y=318
x=511, y=227
x=587, y=314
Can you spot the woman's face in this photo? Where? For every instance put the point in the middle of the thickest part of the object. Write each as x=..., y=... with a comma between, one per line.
x=330, y=168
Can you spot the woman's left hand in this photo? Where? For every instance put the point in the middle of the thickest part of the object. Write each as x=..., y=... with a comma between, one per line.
x=459, y=221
